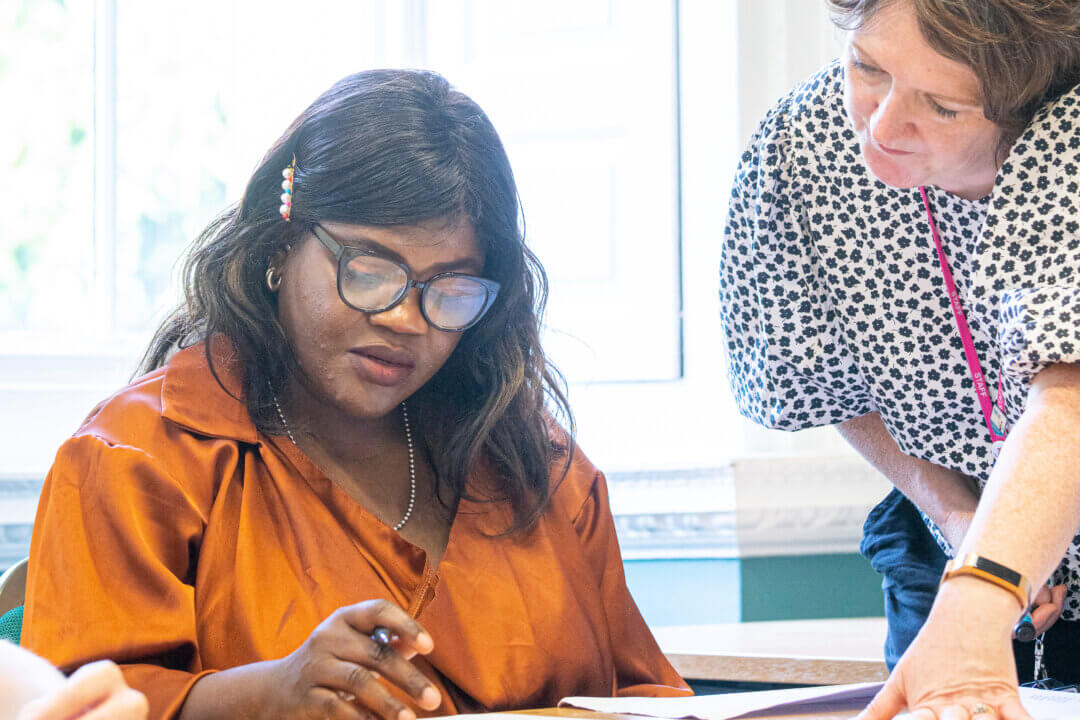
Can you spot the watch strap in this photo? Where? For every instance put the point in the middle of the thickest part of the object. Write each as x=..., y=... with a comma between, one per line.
x=992, y=572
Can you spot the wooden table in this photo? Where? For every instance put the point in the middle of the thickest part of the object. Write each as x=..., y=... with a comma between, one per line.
x=805, y=652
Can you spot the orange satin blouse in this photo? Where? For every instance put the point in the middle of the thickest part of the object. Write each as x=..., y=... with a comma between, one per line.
x=175, y=539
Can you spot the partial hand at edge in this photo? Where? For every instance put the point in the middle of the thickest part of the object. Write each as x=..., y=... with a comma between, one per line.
x=96, y=691
x=1047, y=606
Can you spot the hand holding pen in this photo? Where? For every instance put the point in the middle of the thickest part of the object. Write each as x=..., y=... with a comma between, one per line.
x=1045, y=609
x=356, y=663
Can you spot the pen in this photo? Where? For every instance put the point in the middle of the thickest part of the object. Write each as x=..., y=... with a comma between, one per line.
x=1025, y=629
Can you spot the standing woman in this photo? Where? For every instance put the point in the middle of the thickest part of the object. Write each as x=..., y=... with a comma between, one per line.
x=339, y=492
x=937, y=162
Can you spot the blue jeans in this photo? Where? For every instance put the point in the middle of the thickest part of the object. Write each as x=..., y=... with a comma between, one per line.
x=902, y=550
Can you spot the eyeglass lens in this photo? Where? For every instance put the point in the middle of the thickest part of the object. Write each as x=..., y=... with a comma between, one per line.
x=450, y=302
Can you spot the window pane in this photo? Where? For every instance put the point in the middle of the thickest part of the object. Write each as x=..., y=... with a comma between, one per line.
x=201, y=95
x=46, y=154
x=583, y=95
x=171, y=127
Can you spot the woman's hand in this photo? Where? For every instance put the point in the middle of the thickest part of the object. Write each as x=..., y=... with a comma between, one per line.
x=960, y=666
x=1046, y=607
x=334, y=674
x=94, y=692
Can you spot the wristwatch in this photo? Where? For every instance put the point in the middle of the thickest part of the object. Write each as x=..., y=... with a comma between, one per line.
x=990, y=571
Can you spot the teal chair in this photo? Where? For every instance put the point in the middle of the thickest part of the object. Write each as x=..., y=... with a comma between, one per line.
x=12, y=592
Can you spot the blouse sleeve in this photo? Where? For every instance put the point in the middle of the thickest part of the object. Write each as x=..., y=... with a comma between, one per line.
x=112, y=563
x=641, y=667
x=1033, y=226
x=1039, y=327
x=788, y=364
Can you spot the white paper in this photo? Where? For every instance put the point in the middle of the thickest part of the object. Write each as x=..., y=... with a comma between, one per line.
x=504, y=716
x=1040, y=704
x=1049, y=705
x=733, y=705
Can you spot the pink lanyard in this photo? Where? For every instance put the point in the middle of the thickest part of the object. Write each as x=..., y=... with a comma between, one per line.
x=997, y=430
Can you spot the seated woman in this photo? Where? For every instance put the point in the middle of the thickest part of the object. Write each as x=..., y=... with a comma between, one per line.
x=338, y=491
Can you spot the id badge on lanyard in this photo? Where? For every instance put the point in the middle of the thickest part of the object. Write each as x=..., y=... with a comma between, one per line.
x=993, y=410
x=998, y=424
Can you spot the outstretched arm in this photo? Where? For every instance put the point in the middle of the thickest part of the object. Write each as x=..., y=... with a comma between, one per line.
x=962, y=657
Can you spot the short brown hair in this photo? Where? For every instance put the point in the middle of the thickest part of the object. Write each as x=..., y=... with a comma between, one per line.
x=1024, y=53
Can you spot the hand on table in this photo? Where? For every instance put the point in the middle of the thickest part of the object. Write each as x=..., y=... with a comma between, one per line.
x=96, y=691
x=334, y=674
x=960, y=665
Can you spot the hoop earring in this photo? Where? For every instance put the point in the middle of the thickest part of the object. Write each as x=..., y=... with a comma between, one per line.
x=273, y=279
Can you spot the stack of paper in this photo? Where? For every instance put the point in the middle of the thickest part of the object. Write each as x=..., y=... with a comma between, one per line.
x=1041, y=704
x=738, y=705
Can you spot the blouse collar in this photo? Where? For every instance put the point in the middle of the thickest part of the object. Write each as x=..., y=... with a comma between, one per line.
x=193, y=398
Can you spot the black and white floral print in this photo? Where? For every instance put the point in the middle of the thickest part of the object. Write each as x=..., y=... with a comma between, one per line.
x=832, y=299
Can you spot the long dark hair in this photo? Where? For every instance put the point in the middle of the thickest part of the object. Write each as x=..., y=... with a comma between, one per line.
x=386, y=148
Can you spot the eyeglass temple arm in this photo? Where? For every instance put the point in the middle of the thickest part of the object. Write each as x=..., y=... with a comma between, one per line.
x=331, y=244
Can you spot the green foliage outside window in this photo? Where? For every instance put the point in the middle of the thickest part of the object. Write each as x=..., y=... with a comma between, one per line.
x=46, y=170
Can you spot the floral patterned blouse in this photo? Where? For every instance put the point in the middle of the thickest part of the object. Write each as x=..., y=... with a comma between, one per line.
x=833, y=302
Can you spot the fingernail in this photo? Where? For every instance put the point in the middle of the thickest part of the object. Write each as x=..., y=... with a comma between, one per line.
x=425, y=643
x=406, y=714
x=430, y=697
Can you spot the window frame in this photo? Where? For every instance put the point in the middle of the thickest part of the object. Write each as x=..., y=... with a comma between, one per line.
x=647, y=436
x=610, y=414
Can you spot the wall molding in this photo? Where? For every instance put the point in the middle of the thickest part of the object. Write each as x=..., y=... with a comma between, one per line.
x=804, y=505
x=754, y=507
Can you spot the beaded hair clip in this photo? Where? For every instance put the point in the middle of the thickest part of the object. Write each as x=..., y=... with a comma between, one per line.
x=286, y=185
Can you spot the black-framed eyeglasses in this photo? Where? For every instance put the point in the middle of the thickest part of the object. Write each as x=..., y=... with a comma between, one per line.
x=372, y=283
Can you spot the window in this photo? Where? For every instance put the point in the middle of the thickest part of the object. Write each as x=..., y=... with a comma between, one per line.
x=160, y=130
x=584, y=96
x=46, y=144
x=137, y=123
